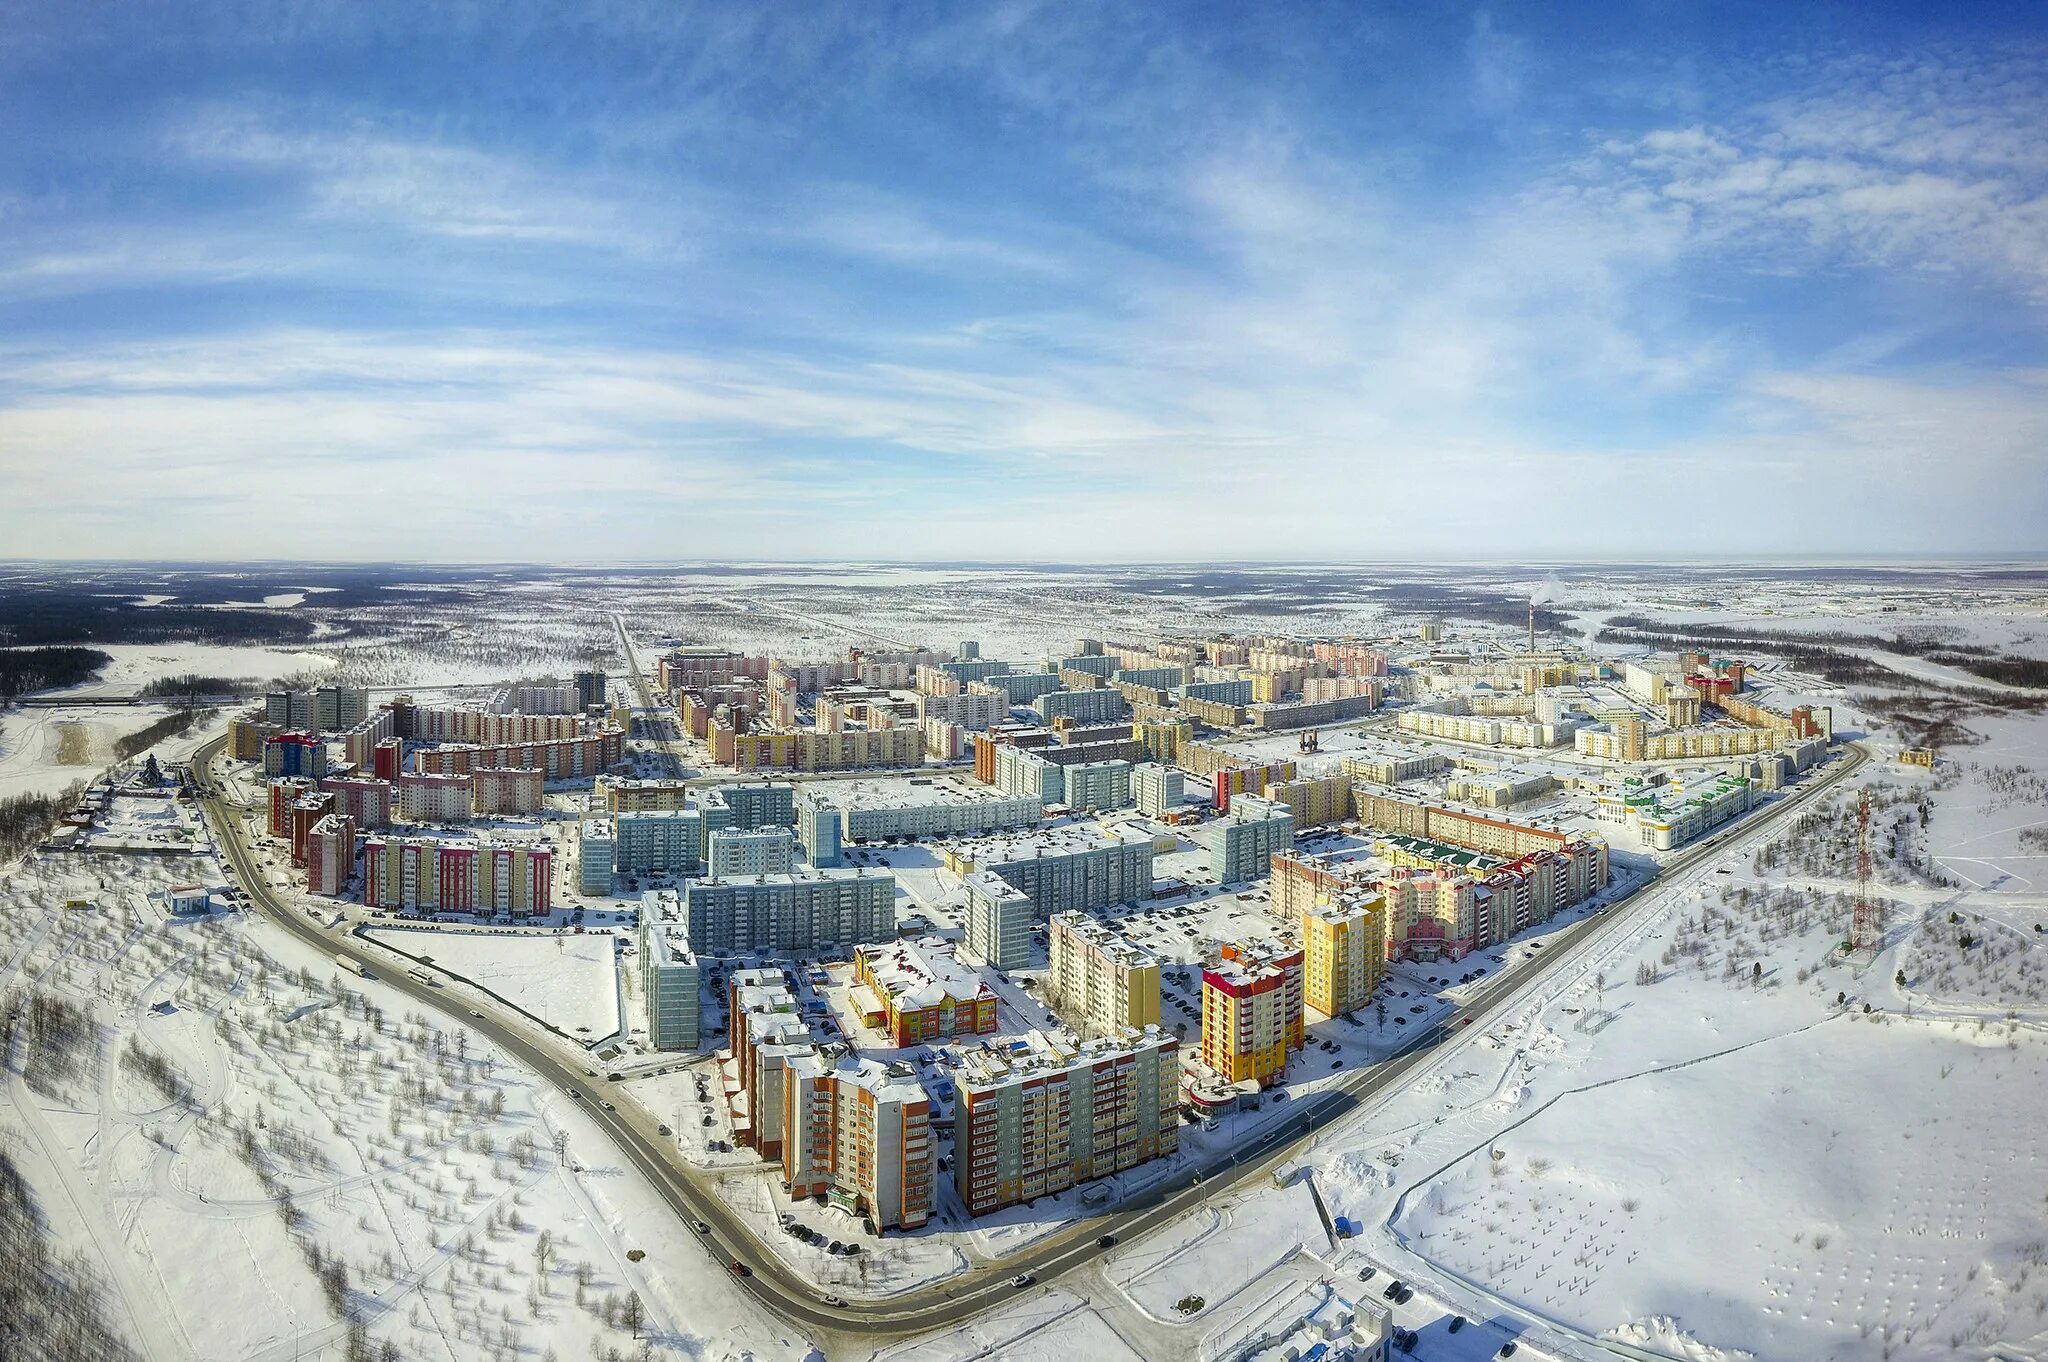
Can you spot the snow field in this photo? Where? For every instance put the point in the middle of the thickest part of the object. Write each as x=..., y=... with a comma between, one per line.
x=566, y=980
x=285, y=1161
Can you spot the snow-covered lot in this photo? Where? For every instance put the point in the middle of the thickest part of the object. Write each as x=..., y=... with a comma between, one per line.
x=568, y=981
x=257, y=1156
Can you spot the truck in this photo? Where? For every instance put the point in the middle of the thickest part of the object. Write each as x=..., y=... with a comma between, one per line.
x=352, y=965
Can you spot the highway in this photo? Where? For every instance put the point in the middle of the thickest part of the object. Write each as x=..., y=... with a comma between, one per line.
x=984, y=1286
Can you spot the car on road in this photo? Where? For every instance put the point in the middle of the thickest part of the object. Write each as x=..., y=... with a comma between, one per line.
x=700, y=1227
x=1022, y=1280
x=574, y=1093
x=474, y=1013
x=740, y=1269
x=607, y=1106
x=1106, y=1241
x=836, y=1302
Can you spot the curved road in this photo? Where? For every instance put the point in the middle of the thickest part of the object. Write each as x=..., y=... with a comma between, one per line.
x=984, y=1286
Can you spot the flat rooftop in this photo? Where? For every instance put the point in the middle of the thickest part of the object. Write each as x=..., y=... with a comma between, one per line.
x=900, y=793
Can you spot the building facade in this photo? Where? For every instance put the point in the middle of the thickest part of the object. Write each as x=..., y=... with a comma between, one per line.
x=1100, y=983
x=1036, y=1118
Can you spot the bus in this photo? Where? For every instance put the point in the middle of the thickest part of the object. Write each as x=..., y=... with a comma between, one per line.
x=352, y=965
x=420, y=976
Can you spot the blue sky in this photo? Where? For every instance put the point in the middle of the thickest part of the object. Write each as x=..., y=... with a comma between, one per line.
x=1022, y=280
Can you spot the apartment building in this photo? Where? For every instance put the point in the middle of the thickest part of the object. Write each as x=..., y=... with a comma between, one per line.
x=621, y=795
x=597, y=846
x=1100, y=983
x=359, y=743
x=558, y=759
x=1094, y=785
x=1252, y=1012
x=755, y=851
x=975, y=711
x=1315, y=801
x=858, y=1133
x=431, y=876
x=1243, y=842
x=789, y=912
x=1083, y=706
x=1344, y=951
x=363, y=801
x=294, y=754
x=1163, y=737
x=1039, y=1115
x=507, y=790
x=919, y=992
x=247, y=736
x=670, y=979
x=330, y=855
x=765, y=1029
x=435, y=798
x=999, y=921
x=1157, y=789
x=328, y=709
x=1068, y=868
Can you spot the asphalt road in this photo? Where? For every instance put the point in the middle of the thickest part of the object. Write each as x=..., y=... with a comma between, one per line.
x=984, y=1286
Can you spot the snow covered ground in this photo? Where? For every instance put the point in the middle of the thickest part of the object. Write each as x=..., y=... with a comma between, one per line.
x=568, y=981
x=257, y=1155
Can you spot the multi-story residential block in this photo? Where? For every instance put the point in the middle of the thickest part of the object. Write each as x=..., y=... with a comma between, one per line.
x=306, y=813
x=790, y=912
x=871, y=813
x=1344, y=952
x=670, y=978
x=756, y=803
x=433, y=876
x=858, y=1133
x=294, y=754
x=756, y=851
x=803, y=750
x=1100, y=982
x=1067, y=868
x=765, y=1029
x=1242, y=843
x=1035, y=1118
x=513, y=790
x=1084, y=706
x=621, y=795
x=359, y=743
x=1093, y=785
x=597, y=850
x=980, y=710
x=558, y=758
x=999, y=921
x=590, y=689
x=1163, y=737
x=1158, y=789
x=1252, y=1013
x=658, y=842
x=1394, y=770
x=284, y=794
x=435, y=799
x=364, y=802
x=919, y=991
x=1315, y=801
x=247, y=736
x=330, y=855
x=1028, y=773
x=387, y=758
x=326, y=710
